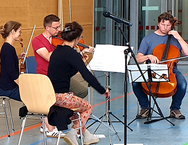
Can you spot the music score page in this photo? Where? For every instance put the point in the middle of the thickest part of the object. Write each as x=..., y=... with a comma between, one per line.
x=109, y=58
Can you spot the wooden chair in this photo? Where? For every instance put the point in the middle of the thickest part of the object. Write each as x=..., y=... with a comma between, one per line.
x=37, y=93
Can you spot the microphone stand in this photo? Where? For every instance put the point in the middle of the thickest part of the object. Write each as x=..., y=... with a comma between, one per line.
x=126, y=51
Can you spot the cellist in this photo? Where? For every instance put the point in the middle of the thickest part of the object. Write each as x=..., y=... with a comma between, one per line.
x=145, y=54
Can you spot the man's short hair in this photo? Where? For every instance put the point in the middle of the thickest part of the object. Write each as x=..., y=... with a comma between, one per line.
x=48, y=20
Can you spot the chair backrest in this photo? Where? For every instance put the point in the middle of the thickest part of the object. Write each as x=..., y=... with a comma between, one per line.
x=37, y=92
x=31, y=65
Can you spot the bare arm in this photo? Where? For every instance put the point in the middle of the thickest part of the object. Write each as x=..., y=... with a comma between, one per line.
x=107, y=93
x=183, y=44
x=16, y=81
x=21, y=56
x=90, y=49
x=44, y=53
x=142, y=58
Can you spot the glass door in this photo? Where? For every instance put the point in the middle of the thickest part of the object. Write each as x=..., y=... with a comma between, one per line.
x=149, y=10
x=105, y=29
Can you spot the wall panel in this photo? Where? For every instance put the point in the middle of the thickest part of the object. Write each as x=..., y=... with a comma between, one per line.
x=32, y=12
x=81, y=11
x=29, y=13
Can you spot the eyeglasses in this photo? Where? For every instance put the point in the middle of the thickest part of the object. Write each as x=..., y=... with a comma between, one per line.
x=56, y=28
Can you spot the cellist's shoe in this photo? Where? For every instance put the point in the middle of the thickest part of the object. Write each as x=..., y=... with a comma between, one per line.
x=144, y=112
x=176, y=114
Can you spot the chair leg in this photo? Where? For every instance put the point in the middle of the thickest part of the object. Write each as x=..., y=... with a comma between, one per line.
x=80, y=128
x=138, y=108
x=6, y=118
x=10, y=112
x=44, y=133
x=22, y=129
x=58, y=139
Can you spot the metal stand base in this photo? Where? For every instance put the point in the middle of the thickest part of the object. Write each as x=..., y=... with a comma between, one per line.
x=94, y=117
x=149, y=120
x=108, y=120
x=107, y=115
x=149, y=117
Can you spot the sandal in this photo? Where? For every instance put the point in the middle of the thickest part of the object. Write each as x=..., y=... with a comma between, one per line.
x=55, y=133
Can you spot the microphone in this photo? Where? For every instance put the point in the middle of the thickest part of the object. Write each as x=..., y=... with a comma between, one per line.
x=117, y=19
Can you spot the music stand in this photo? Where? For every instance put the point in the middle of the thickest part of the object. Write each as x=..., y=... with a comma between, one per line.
x=157, y=72
x=152, y=73
x=94, y=117
x=105, y=60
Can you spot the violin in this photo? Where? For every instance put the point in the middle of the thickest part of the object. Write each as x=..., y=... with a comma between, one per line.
x=23, y=59
x=22, y=64
x=80, y=45
x=165, y=52
x=57, y=40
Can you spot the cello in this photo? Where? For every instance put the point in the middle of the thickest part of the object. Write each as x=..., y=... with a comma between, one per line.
x=165, y=52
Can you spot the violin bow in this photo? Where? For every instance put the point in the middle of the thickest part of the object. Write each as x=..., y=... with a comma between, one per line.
x=70, y=10
x=173, y=59
x=28, y=45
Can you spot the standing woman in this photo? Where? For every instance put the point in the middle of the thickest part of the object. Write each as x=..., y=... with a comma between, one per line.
x=11, y=32
x=65, y=62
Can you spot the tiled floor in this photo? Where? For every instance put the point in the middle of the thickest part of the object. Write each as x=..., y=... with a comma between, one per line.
x=157, y=133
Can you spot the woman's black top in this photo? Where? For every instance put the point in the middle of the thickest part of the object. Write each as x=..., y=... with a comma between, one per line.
x=9, y=67
x=66, y=62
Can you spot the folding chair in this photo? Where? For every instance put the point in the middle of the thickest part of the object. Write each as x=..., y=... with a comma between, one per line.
x=37, y=93
x=4, y=99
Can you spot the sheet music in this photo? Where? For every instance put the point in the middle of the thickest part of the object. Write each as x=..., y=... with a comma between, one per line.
x=110, y=58
x=159, y=70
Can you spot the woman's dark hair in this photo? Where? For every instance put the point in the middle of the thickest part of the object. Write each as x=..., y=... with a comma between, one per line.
x=48, y=20
x=8, y=27
x=71, y=31
x=166, y=16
